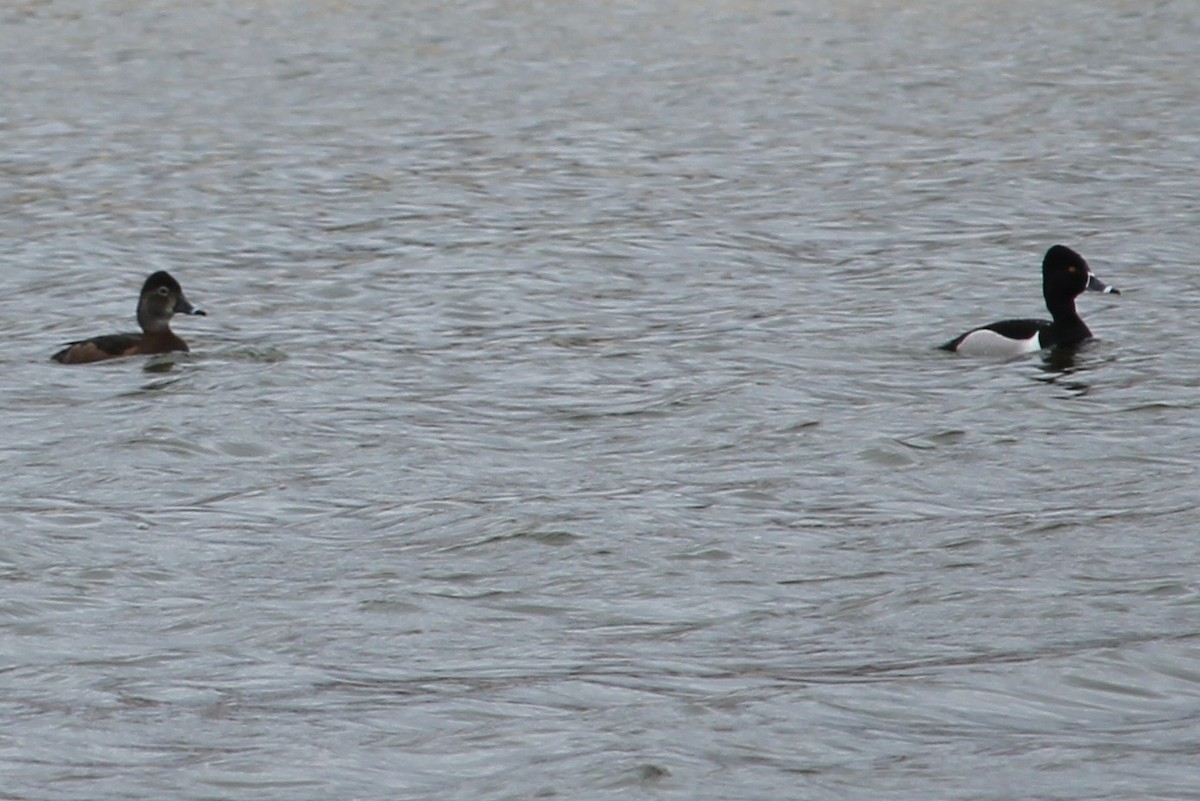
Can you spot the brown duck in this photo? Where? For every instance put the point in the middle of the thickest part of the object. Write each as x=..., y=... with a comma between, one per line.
x=161, y=299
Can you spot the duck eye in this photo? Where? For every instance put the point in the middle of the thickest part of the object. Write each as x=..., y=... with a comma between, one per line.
x=1072, y=269
x=162, y=290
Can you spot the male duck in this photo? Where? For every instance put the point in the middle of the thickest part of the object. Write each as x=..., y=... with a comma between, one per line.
x=1065, y=275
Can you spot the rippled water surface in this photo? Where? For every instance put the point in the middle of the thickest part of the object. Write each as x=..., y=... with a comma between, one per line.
x=567, y=421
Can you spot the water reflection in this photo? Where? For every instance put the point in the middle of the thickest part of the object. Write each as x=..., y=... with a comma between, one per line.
x=1061, y=360
x=1062, y=367
x=159, y=366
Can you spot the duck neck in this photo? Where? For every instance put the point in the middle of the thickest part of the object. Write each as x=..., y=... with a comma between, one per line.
x=1063, y=311
x=151, y=324
x=1067, y=326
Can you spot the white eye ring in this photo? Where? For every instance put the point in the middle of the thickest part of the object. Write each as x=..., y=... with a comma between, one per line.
x=162, y=290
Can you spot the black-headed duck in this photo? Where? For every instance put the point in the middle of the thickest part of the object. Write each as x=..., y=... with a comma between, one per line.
x=1065, y=275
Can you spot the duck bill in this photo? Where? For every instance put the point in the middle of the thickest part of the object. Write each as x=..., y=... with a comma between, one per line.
x=1094, y=284
x=183, y=307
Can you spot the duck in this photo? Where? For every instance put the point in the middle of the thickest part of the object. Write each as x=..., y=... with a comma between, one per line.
x=161, y=298
x=1065, y=276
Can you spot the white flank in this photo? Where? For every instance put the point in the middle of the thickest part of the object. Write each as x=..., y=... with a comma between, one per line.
x=985, y=342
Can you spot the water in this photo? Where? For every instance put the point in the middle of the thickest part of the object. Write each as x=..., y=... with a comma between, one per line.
x=567, y=422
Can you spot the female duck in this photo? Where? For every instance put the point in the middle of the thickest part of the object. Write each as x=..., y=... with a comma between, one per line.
x=161, y=298
x=1065, y=275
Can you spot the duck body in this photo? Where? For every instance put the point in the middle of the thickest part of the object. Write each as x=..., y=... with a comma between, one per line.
x=161, y=298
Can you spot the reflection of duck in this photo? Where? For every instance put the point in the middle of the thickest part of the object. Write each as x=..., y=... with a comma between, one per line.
x=161, y=299
x=1065, y=275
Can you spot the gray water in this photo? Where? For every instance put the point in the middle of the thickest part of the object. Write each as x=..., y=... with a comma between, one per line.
x=567, y=421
